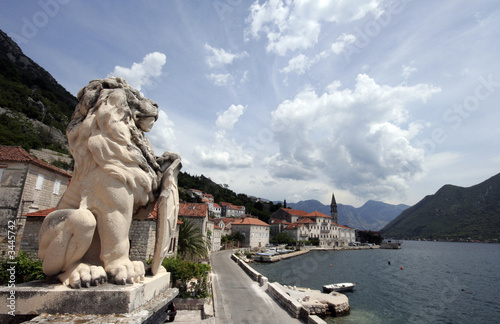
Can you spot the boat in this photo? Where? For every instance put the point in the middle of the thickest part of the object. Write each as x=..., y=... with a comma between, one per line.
x=389, y=244
x=339, y=287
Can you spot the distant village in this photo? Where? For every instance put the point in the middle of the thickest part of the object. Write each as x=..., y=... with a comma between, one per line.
x=30, y=189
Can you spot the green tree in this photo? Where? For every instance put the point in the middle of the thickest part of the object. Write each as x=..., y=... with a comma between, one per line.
x=192, y=244
x=237, y=236
x=282, y=238
x=183, y=272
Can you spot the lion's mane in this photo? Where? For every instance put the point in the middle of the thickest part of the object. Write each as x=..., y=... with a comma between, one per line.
x=103, y=134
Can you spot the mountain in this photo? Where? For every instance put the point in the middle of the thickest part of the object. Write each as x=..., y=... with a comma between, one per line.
x=373, y=215
x=34, y=108
x=452, y=213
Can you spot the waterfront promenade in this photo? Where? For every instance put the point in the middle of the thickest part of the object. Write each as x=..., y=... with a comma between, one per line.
x=239, y=299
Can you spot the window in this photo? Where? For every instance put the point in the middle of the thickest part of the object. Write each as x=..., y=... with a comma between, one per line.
x=39, y=182
x=1, y=174
x=57, y=186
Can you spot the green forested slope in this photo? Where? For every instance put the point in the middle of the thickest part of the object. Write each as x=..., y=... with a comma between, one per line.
x=35, y=109
x=452, y=213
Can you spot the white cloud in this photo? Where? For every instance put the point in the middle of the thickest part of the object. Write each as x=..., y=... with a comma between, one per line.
x=224, y=153
x=345, y=39
x=291, y=26
x=228, y=118
x=219, y=57
x=162, y=135
x=360, y=139
x=244, y=77
x=220, y=79
x=301, y=63
x=408, y=70
x=140, y=74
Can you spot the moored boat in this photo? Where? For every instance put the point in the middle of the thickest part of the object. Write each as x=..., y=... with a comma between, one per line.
x=339, y=287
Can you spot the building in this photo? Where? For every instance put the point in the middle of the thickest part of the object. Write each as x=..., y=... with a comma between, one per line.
x=322, y=229
x=197, y=213
x=315, y=226
x=230, y=210
x=289, y=215
x=27, y=184
x=256, y=232
x=346, y=235
x=333, y=210
x=214, y=209
x=277, y=225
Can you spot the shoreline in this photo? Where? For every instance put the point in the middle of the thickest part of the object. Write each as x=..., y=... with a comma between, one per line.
x=279, y=257
x=306, y=304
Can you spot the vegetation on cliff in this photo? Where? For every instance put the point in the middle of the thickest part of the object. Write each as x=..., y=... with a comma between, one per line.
x=35, y=108
x=452, y=213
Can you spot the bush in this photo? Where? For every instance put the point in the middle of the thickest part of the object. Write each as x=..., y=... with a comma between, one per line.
x=281, y=238
x=183, y=272
x=26, y=269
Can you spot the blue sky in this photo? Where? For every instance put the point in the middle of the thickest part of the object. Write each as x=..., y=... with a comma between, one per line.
x=370, y=99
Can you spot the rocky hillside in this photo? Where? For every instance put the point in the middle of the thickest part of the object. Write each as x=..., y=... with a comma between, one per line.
x=34, y=108
x=453, y=213
x=372, y=216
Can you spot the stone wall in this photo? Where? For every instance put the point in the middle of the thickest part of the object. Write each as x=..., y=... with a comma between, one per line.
x=142, y=238
x=293, y=307
x=46, y=197
x=29, y=243
x=11, y=189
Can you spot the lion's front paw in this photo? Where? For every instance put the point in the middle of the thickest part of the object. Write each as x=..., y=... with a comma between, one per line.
x=83, y=275
x=125, y=271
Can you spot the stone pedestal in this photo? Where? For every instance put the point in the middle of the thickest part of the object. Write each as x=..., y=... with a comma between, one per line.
x=42, y=297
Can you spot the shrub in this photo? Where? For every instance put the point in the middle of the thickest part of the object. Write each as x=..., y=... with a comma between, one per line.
x=183, y=272
x=26, y=269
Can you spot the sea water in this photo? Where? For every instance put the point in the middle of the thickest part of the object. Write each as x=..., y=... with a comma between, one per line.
x=424, y=282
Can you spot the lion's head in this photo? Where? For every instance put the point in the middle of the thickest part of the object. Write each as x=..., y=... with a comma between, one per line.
x=106, y=131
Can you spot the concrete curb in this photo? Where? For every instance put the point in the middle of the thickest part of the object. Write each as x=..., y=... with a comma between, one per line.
x=294, y=308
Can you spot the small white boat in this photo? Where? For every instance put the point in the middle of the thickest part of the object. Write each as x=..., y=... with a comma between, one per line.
x=339, y=287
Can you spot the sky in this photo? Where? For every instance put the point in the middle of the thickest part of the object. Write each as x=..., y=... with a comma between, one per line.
x=296, y=100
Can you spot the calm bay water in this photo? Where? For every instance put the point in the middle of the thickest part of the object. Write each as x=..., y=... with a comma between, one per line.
x=440, y=282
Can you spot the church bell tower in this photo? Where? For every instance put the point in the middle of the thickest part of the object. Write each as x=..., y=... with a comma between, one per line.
x=333, y=210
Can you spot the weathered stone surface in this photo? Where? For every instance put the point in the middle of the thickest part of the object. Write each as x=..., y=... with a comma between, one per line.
x=39, y=297
x=117, y=177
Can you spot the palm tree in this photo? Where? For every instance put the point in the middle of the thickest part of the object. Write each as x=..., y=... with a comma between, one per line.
x=192, y=243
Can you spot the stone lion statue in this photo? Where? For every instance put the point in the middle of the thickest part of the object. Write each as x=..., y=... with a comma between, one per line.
x=116, y=178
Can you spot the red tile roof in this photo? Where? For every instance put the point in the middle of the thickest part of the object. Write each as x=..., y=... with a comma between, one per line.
x=226, y=204
x=217, y=227
x=18, y=154
x=305, y=221
x=249, y=221
x=40, y=213
x=295, y=212
x=228, y=220
x=293, y=226
x=193, y=210
x=317, y=214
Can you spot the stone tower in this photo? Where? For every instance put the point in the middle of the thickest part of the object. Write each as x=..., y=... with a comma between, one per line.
x=333, y=210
